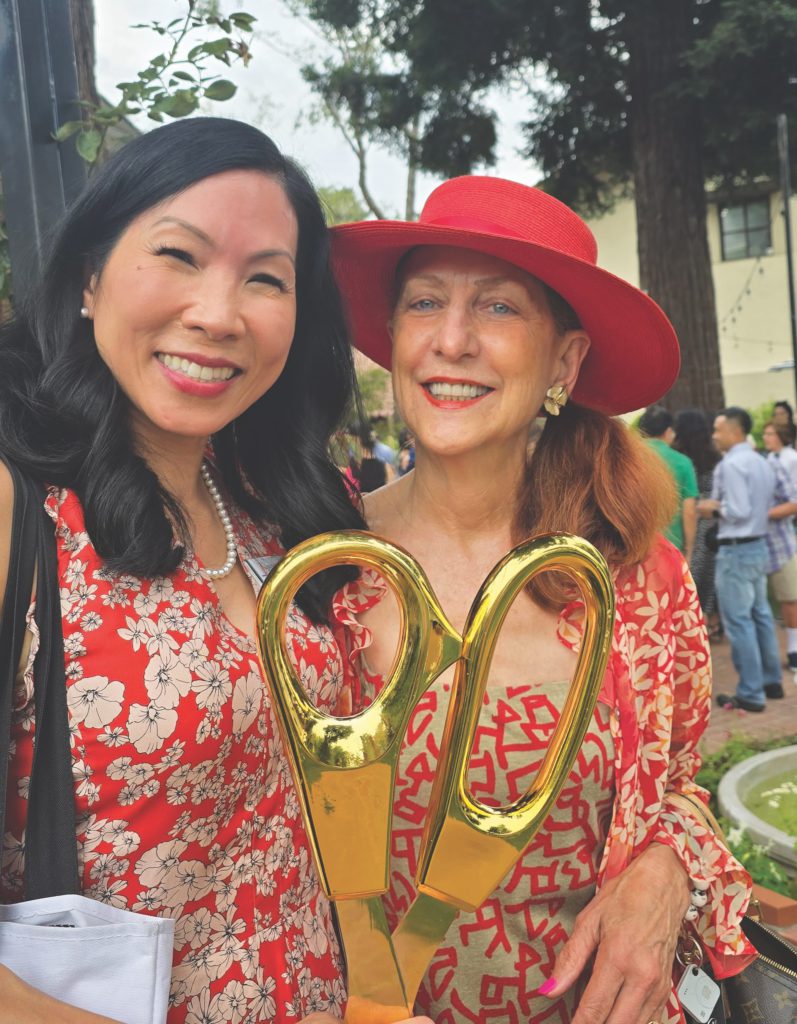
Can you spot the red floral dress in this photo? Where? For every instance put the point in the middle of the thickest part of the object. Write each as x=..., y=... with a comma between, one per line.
x=657, y=689
x=186, y=807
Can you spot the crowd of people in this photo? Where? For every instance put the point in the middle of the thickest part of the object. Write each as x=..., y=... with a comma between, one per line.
x=735, y=524
x=173, y=382
x=369, y=463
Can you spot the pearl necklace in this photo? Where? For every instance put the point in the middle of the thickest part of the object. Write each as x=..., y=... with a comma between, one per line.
x=232, y=553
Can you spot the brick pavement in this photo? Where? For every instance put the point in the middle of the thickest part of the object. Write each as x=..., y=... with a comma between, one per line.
x=779, y=718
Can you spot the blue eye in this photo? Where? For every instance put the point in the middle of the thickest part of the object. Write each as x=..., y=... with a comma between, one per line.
x=502, y=308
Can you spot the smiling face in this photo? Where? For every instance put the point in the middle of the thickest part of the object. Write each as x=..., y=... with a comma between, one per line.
x=475, y=348
x=195, y=308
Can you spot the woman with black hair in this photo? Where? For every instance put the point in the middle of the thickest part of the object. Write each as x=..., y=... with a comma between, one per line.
x=783, y=416
x=174, y=380
x=693, y=438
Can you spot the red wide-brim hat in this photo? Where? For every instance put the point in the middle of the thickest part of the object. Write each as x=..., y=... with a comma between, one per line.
x=633, y=358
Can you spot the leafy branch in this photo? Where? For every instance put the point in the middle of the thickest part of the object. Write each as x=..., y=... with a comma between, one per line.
x=171, y=85
x=174, y=82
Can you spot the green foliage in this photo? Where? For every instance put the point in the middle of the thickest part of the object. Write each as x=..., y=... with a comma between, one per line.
x=574, y=62
x=373, y=385
x=737, y=749
x=368, y=88
x=758, y=862
x=754, y=857
x=341, y=205
x=760, y=415
x=171, y=85
x=174, y=82
x=741, y=67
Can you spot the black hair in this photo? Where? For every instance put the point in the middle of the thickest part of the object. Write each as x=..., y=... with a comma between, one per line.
x=367, y=436
x=64, y=418
x=655, y=420
x=791, y=428
x=741, y=417
x=693, y=438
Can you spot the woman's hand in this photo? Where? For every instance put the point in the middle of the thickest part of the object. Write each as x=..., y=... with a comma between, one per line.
x=21, y=1004
x=631, y=927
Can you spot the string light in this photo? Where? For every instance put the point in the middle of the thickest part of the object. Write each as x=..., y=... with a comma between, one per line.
x=737, y=305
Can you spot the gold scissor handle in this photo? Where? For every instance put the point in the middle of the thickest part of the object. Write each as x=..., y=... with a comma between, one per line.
x=469, y=847
x=345, y=767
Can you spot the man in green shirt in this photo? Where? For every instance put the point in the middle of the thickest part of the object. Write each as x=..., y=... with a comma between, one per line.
x=657, y=426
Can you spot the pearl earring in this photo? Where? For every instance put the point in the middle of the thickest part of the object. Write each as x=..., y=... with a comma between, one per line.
x=84, y=312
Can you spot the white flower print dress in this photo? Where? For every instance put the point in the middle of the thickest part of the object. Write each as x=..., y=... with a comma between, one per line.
x=185, y=803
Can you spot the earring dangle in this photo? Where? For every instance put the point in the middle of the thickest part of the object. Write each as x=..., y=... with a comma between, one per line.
x=84, y=312
x=555, y=399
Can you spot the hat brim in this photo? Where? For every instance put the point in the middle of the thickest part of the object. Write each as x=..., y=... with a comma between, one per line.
x=633, y=359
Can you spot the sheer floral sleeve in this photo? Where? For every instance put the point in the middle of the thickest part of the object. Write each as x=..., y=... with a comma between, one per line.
x=660, y=683
x=360, y=684
x=703, y=855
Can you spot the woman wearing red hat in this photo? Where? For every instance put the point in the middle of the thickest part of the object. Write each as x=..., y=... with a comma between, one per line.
x=491, y=313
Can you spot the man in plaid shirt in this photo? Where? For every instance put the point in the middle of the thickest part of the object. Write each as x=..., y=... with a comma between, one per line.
x=782, y=552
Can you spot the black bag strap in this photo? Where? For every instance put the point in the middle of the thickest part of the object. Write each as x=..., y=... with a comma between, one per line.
x=19, y=588
x=51, y=861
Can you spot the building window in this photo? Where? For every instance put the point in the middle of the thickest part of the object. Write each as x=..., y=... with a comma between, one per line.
x=745, y=229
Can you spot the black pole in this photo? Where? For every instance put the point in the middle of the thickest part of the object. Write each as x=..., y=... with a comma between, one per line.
x=785, y=187
x=40, y=92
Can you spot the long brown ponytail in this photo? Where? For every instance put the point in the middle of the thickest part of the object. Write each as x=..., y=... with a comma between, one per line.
x=592, y=476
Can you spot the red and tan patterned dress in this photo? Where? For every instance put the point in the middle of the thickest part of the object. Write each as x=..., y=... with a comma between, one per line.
x=185, y=802
x=493, y=961
x=641, y=746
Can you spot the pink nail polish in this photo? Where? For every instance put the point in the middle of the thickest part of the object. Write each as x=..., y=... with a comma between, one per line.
x=546, y=987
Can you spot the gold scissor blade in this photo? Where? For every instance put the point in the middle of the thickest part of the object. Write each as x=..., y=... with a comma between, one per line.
x=376, y=990
x=417, y=938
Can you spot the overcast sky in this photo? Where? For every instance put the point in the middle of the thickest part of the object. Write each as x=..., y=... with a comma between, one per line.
x=272, y=95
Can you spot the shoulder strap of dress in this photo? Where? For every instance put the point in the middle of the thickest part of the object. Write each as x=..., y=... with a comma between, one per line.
x=51, y=864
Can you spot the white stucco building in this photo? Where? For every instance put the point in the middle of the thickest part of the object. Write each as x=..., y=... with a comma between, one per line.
x=747, y=240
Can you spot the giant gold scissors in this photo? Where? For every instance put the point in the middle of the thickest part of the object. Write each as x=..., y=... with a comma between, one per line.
x=345, y=768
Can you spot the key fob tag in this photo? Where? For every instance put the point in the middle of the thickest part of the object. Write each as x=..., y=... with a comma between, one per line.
x=699, y=994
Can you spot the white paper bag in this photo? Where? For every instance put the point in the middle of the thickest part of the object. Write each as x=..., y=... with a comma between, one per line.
x=90, y=955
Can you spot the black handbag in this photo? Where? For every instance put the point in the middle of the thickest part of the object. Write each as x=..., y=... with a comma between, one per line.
x=765, y=992
x=51, y=860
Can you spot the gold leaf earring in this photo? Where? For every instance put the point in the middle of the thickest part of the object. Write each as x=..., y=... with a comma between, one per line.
x=555, y=399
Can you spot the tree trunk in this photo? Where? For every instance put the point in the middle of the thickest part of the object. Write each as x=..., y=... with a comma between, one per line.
x=81, y=13
x=413, y=148
x=669, y=188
